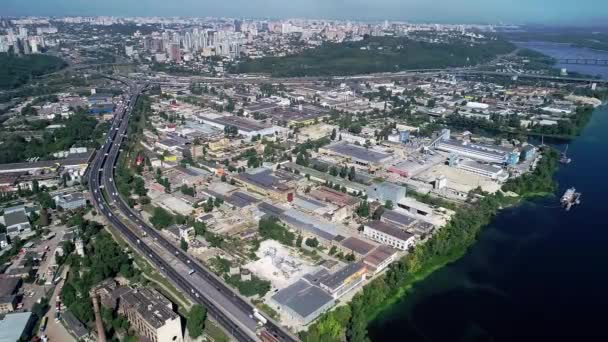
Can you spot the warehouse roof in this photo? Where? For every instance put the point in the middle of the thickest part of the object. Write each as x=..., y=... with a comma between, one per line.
x=335, y=280
x=389, y=229
x=303, y=298
x=379, y=255
x=397, y=218
x=15, y=217
x=357, y=152
x=357, y=245
x=13, y=325
x=73, y=159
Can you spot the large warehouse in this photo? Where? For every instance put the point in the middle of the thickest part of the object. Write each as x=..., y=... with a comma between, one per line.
x=480, y=152
x=358, y=154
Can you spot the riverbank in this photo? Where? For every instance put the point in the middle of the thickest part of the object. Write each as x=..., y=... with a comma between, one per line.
x=446, y=246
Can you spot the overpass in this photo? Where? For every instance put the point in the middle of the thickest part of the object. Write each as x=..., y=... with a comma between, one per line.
x=185, y=82
x=583, y=61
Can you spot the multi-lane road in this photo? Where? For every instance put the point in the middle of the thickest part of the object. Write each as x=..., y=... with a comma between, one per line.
x=232, y=311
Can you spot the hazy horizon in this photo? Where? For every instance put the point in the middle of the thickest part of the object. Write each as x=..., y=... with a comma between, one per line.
x=579, y=13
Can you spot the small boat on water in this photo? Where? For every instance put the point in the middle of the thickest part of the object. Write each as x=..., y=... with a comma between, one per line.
x=570, y=198
x=564, y=159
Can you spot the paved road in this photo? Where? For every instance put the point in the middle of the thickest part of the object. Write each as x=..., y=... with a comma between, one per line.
x=55, y=331
x=229, y=309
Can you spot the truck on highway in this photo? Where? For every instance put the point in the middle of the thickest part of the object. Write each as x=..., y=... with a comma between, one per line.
x=261, y=319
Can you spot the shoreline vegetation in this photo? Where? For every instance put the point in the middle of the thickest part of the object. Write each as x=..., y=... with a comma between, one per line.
x=350, y=321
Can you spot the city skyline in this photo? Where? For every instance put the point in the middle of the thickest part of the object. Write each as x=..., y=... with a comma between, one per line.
x=582, y=13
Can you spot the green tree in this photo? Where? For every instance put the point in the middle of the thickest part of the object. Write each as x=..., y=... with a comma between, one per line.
x=183, y=244
x=314, y=243
x=161, y=218
x=196, y=320
x=363, y=209
x=388, y=204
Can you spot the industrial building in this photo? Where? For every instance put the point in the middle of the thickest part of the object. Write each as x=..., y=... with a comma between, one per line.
x=356, y=246
x=322, y=177
x=150, y=315
x=75, y=161
x=379, y=259
x=493, y=172
x=302, y=115
x=245, y=127
x=16, y=222
x=386, y=191
x=302, y=301
x=397, y=219
x=9, y=288
x=70, y=201
x=480, y=152
x=264, y=182
x=344, y=280
x=357, y=154
x=15, y=326
x=345, y=203
x=389, y=235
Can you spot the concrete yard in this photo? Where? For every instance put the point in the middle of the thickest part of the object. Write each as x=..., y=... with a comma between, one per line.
x=291, y=269
x=459, y=180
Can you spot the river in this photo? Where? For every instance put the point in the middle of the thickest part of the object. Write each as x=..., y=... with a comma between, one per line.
x=537, y=272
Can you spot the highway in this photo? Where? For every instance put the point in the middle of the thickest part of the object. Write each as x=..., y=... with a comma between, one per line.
x=254, y=79
x=227, y=307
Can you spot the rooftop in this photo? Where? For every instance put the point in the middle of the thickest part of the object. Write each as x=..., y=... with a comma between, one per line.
x=357, y=152
x=74, y=325
x=336, y=280
x=302, y=298
x=240, y=199
x=13, y=325
x=395, y=217
x=339, y=198
x=264, y=179
x=72, y=197
x=357, y=245
x=379, y=255
x=151, y=305
x=389, y=229
x=71, y=160
x=242, y=124
x=15, y=217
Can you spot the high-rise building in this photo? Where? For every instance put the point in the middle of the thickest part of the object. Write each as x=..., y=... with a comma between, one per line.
x=175, y=53
x=187, y=42
x=129, y=50
x=22, y=32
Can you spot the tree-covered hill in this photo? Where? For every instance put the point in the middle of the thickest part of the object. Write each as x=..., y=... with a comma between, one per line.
x=18, y=70
x=376, y=54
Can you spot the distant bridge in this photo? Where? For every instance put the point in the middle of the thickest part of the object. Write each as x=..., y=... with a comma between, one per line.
x=584, y=61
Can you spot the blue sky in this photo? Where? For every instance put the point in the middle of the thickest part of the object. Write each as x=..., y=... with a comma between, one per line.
x=581, y=12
